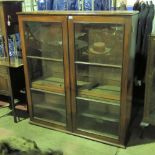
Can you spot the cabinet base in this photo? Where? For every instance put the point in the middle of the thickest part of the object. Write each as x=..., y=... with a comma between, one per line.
x=62, y=129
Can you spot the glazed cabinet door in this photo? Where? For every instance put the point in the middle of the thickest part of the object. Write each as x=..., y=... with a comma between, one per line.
x=96, y=57
x=46, y=69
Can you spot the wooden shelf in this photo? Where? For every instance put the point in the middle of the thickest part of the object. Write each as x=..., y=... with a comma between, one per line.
x=103, y=92
x=103, y=133
x=4, y=104
x=109, y=129
x=105, y=117
x=50, y=114
x=98, y=64
x=46, y=91
x=49, y=84
x=22, y=107
x=44, y=58
x=116, y=103
x=50, y=107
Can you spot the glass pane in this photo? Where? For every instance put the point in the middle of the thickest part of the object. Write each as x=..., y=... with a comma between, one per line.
x=14, y=46
x=99, y=43
x=1, y=24
x=49, y=106
x=44, y=39
x=46, y=75
x=98, y=117
x=98, y=82
x=2, y=50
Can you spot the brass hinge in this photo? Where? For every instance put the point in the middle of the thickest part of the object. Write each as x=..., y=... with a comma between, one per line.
x=70, y=17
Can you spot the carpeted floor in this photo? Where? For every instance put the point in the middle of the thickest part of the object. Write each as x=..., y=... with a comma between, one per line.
x=72, y=145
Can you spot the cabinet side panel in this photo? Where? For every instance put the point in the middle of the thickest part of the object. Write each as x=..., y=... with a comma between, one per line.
x=132, y=55
x=129, y=53
x=149, y=108
x=21, y=30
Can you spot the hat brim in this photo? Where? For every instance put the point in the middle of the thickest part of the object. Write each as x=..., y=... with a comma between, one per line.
x=106, y=51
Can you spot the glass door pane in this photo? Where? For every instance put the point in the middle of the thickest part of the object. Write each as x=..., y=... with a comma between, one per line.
x=99, y=43
x=44, y=39
x=98, y=72
x=98, y=117
x=98, y=83
x=45, y=59
x=46, y=75
x=49, y=106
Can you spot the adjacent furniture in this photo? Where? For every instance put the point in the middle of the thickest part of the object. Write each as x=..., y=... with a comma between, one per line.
x=149, y=106
x=11, y=66
x=79, y=71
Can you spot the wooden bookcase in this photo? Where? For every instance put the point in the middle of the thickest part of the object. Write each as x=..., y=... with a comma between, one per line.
x=11, y=66
x=7, y=15
x=79, y=71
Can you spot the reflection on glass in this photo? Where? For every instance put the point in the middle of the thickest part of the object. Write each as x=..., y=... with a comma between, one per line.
x=2, y=50
x=98, y=82
x=99, y=43
x=0, y=25
x=98, y=117
x=14, y=46
x=44, y=39
x=49, y=106
x=46, y=75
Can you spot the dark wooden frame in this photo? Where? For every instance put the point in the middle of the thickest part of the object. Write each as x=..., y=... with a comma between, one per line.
x=52, y=19
x=129, y=20
x=124, y=90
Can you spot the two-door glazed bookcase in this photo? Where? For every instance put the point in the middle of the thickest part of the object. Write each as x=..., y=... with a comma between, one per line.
x=79, y=71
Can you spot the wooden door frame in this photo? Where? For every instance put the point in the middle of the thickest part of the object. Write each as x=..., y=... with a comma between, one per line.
x=52, y=19
x=125, y=64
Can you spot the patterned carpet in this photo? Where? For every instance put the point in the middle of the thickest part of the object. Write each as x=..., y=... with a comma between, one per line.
x=23, y=146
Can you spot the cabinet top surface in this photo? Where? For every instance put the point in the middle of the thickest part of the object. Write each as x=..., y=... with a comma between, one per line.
x=14, y=63
x=81, y=13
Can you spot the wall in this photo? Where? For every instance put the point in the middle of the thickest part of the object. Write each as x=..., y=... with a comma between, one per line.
x=131, y=2
x=29, y=5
